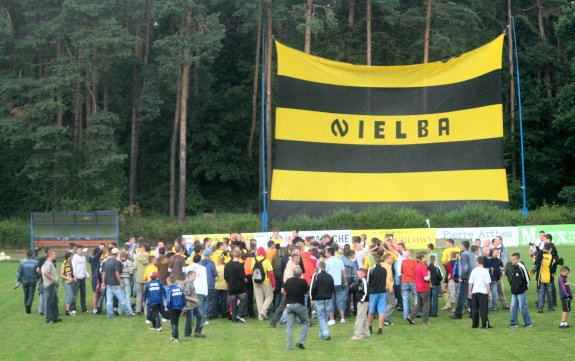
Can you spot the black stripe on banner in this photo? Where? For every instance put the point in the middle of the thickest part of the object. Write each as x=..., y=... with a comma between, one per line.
x=477, y=92
x=281, y=210
x=344, y=158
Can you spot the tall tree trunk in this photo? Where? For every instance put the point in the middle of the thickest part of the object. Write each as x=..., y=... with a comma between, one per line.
x=427, y=31
x=135, y=134
x=106, y=97
x=183, y=127
x=268, y=97
x=308, y=12
x=368, y=33
x=134, y=142
x=543, y=37
x=78, y=116
x=511, y=94
x=88, y=101
x=255, y=86
x=173, y=148
x=94, y=91
x=59, y=96
x=350, y=24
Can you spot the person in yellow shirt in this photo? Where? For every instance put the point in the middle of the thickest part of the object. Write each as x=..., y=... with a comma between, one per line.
x=449, y=247
x=271, y=250
x=387, y=263
x=151, y=268
x=221, y=289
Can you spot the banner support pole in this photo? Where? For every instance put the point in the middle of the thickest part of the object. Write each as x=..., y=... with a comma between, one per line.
x=523, y=186
x=263, y=132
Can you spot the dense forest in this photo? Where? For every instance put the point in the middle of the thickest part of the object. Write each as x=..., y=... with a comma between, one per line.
x=155, y=104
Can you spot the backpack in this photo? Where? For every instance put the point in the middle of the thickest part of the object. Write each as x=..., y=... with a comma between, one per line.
x=259, y=274
x=456, y=270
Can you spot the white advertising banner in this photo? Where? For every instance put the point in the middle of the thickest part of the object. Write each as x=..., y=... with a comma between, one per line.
x=339, y=236
x=510, y=235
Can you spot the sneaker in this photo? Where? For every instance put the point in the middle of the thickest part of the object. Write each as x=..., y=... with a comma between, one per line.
x=73, y=313
x=199, y=335
x=159, y=329
x=425, y=323
x=410, y=320
x=206, y=323
x=164, y=320
x=528, y=326
x=148, y=322
x=152, y=328
x=175, y=340
x=342, y=320
x=446, y=307
x=513, y=325
x=241, y=319
x=300, y=345
x=331, y=322
x=386, y=323
x=356, y=338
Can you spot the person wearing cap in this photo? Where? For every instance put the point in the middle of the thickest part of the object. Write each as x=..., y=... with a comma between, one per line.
x=211, y=274
x=80, y=275
x=154, y=296
x=113, y=284
x=264, y=284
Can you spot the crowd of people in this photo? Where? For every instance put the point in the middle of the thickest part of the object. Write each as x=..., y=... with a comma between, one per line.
x=296, y=282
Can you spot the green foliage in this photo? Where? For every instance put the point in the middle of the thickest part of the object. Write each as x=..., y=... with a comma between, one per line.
x=14, y=234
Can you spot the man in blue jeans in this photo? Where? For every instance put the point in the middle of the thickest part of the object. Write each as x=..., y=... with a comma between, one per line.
x=335, y=267
x=321, y=292
x=519, y=281
x=468, y=263
x=27, y=274
x=112, y=283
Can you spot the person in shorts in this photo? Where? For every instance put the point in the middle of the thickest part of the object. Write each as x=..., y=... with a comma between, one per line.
x=376, y=281
x=565, y=295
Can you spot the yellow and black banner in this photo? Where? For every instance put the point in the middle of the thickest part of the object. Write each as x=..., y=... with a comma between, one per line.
x=427, y=135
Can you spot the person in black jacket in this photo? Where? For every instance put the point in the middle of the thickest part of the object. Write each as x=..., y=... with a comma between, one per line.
x=518, y=278
x=321, y=292
x=236, y=280
x=435, y=277
x=376, y=283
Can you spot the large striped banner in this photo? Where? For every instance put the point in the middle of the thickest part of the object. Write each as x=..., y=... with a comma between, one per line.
x=349, y=136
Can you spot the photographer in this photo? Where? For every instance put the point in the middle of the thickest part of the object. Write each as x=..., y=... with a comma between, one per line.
x=27, y=275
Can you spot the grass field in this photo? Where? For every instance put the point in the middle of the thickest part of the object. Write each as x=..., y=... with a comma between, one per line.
x=89, y=337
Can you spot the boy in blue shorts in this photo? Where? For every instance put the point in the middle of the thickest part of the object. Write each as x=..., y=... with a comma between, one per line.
x=175, y=302
x=376, y=282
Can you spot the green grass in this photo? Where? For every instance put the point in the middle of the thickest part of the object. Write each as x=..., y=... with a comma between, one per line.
x=89, y=337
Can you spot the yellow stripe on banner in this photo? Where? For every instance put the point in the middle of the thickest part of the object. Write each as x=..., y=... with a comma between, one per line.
x=470, y=124
x=297, y=64
x=488, y=184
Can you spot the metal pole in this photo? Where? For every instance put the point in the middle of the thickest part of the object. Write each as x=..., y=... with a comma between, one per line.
x=263, y=133
x=523, y=186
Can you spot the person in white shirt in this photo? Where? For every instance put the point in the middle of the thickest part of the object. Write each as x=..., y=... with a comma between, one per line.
x=359, y=251
x=480, y=294
x=200, y=283
x=80, y=274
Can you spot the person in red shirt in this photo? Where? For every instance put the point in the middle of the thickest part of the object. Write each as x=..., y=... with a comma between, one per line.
x=422, y=288
x=408, y=281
